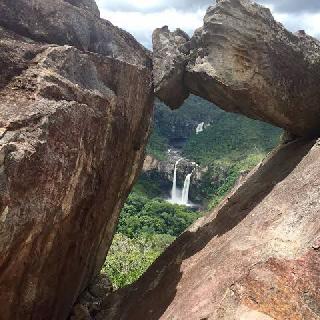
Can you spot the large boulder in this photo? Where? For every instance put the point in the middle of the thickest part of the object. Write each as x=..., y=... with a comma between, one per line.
x=246, y=62
x=73, y=127
x=169, y=62
x=255, y=257
x=71, y=22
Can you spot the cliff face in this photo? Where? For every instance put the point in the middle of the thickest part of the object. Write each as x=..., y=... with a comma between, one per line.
x=73, y=127
x=71, y=22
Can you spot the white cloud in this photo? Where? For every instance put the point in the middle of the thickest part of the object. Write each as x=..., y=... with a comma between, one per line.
x=141, y=25
x=153, y=5
x=290, y=6
x=141, y=17
x=308, y=22
x=294, y=21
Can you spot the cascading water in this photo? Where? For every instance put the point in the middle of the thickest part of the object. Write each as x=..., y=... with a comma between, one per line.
x=185, y=191
x=174, y=195
x=200, y=127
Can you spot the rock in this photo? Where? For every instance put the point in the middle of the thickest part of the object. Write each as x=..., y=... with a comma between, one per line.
x=90, y=301
x=81, y=313
x=169, y=62
x=251, y=258
x=100, y=287
x=73, y=127
x=89, y=5
x=246, y=62
x=70, y=22
x=150, y=163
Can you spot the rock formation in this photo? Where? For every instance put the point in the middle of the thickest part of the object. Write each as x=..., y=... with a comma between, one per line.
x=75, y=113
x=89, y=303
x=89, y=5
x=169, y=61
x=67, y=22
x=256, y=256
x=245, y=62
x=76, y=100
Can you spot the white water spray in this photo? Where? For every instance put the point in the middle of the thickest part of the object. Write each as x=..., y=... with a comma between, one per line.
x=178, y=197
x=185, y=191
x=200, y=127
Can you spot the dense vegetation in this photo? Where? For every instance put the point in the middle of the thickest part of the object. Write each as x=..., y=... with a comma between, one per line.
x=146, y=227
x=158, y=145
x=230, y=146
x=174, y=126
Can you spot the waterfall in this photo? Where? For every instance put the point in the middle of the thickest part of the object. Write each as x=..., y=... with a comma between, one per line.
x=199, y=127
x=174, y=195
x=185, y=191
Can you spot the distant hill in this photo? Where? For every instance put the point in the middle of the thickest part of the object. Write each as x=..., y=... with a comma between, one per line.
x=229, y=145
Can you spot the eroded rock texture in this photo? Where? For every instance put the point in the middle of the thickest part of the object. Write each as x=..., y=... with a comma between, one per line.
x=246, y=62
x=255, y=257
x=72, y=22
x=73, y=126
x=169, y=63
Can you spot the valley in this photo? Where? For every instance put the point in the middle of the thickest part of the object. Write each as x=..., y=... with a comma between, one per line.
x=177, y=183
x=186, y=173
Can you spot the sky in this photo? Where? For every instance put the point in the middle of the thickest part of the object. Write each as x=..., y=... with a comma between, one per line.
x=141, y=17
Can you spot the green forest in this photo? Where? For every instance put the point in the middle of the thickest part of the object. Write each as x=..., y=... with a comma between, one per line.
x=146, y=227
x=230, y=146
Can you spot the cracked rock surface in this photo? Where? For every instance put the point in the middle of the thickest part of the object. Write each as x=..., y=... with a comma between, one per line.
x=74, y=122
x=169, y=62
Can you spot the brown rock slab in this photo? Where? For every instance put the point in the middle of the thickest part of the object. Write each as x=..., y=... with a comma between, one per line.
x=73, y=127
x=169, y=62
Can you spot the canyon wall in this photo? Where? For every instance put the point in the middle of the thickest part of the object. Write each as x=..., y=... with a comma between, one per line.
x=76, y=102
